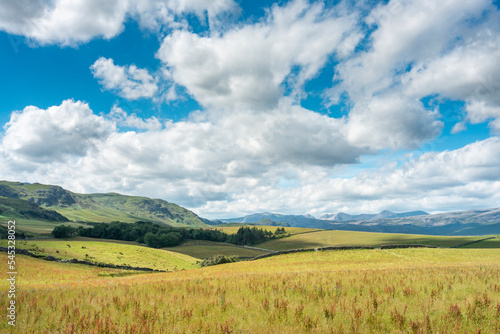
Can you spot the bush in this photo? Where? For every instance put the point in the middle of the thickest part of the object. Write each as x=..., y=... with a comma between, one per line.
x=219, y=259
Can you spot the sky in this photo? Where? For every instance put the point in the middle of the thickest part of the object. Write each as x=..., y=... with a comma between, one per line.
x=234, y=107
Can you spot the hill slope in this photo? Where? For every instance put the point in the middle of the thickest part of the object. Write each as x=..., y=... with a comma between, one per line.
x=100, y=207
x=12, y=208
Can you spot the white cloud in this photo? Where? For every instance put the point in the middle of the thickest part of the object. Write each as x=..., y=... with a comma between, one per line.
x=55, y=133
x=406, y=31
x=121, y=118
x=220, y=164
x=435, y=181
x=391, y=121
x=245, y=67
x=129, y=82
x=70, y=22
x=201, y=159
x=419, y=49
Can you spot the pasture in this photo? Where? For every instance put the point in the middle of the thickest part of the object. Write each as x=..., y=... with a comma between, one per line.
x=355, y=291
x=324, y=238
x=109, y=252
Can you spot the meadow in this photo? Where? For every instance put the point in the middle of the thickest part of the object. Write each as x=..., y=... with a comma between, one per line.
x=202, y=249
x=324, y=238
x=354, y=291
x=109, y=252
x=288, y=230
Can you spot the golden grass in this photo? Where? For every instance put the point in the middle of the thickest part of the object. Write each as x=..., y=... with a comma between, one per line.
x=290, y=230
x=356, y=291
x=348, y=238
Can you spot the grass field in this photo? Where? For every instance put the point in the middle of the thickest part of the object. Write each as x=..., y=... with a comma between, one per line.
x=358, y=291
x=347, y=238
x=290, y=230
x=36, y=226
x=113, y=253
x=490, y=243
x=202, y=249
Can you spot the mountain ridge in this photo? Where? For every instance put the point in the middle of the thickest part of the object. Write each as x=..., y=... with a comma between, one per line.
x=341, y=216
x=470, y=222
x=100, y=207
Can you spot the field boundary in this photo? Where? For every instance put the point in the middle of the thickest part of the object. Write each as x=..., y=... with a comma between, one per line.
x=303, y=250
x=95, y=264
x=473, y=242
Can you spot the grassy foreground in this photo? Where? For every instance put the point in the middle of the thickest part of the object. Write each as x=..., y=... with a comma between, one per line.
x=357, y=291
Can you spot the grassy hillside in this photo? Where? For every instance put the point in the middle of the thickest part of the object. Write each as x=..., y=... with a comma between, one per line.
x=361, y=291
x=202, y=249
x=348, y=238
x=113, y=253
x=100, y=207
x=12, y=208
x=490, y=243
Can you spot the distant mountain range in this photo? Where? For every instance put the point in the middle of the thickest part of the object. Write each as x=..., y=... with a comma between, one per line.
x=382, y=215
x=473, y=222
x=53, y=203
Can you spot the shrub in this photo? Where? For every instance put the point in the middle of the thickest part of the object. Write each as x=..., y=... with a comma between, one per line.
x=219, y=259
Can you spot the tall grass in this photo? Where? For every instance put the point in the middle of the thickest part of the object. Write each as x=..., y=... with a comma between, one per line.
x=363, y=291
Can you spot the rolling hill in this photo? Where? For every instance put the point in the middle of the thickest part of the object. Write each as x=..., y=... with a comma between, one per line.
x=95, y=207
x=12, y=208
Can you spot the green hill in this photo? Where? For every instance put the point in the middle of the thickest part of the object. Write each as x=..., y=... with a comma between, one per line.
x=11, y=208
x=100, y=207
x=109, y=252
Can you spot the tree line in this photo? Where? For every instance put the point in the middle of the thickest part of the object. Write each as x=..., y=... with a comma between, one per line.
x=159, y=236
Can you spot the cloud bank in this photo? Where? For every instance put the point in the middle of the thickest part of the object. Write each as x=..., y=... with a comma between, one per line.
x=253, y=146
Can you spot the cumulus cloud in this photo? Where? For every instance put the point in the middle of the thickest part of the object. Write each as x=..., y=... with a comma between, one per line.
x=122, y=119
x=419, y=49
x=206, y=158
x=220, y=164
x=70, y=129
x=70, y=22
x=449, y=180
x=391, y=121
x=245, y=67
x=129, y=82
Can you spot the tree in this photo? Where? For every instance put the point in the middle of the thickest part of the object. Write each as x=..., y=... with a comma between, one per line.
x=63, y=231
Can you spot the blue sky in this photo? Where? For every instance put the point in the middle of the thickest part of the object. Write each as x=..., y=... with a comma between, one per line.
x=236, y=107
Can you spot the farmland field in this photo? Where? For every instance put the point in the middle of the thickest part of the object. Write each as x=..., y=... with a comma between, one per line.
x=37, y=226
x=347, y=238
x=109, y=252
x=288, y=230
x=202, y=249
x=355, y=291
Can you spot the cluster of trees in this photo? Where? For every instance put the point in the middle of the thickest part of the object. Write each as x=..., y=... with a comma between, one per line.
x=4, y=234
x=250, y=236
x=64, y=231
x=158, y=236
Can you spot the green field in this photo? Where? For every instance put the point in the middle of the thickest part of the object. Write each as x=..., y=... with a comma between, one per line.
x=36, y=226
x=490, y=243
x=356, y=291
x=290, y=230
x=202, y=249
x=112, y=253
x=326, y=238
